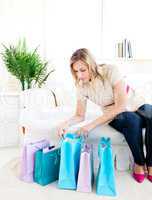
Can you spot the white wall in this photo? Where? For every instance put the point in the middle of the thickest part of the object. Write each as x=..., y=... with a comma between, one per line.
x=129, y=19
x=22, y=18
x=71, y=24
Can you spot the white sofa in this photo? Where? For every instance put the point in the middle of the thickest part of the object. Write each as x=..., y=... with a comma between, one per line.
x=40, y=118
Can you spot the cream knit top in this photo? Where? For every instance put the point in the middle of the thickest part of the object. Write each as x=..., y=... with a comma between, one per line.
x=102, y=93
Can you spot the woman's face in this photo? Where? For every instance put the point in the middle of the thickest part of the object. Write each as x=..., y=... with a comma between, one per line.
x=81, y=71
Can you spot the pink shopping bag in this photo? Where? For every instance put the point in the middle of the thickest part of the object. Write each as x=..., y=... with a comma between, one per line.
x=27, y=158
x=86, y=170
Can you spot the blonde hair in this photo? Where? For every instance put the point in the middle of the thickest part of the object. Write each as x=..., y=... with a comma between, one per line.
x=86, y=57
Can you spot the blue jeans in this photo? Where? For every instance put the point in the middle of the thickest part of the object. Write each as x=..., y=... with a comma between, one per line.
x=130, y=124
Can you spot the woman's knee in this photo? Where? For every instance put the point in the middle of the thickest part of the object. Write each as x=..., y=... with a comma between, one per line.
x=133, y=127
x=131, y=119
x=146, y=111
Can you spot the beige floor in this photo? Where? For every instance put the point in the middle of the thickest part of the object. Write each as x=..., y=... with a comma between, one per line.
x=12, y=188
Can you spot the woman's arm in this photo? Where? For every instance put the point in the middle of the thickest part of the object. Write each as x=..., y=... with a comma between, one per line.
x=79, y=114
x=78, y=117
x=119, y=105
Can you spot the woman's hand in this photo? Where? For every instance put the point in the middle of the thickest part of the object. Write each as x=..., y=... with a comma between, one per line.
x=62, y=129
x=84, y=130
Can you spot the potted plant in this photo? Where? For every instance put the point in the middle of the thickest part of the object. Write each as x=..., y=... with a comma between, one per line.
x=27, y=66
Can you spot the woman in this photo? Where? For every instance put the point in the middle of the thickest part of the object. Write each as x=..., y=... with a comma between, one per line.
x=123, y=109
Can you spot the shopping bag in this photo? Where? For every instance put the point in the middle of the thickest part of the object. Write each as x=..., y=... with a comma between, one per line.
x=69, y=163
x=27, y=158
x=105, y=182
x=46, y=168
x=86, y=169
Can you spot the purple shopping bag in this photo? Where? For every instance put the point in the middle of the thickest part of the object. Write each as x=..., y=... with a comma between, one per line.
x=86, y=170
x=27, y=158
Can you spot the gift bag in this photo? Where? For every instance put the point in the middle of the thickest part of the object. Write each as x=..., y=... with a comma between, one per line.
x=46, y=168
x=27, y=158
x=86, y=170
x=105, y=182
x=69, y=163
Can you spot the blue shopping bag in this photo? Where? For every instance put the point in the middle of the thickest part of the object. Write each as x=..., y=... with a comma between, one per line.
x=69, y=163
x=46, y=167
x=105, y=182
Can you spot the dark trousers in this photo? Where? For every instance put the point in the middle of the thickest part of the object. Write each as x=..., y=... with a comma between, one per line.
x=130, y=124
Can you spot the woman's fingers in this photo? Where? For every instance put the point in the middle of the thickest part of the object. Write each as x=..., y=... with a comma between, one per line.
x=61, y=131
x=82, y=131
